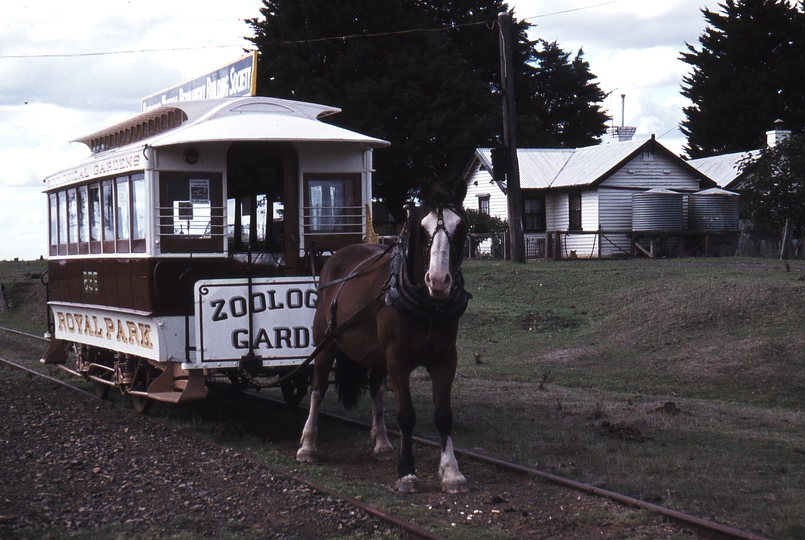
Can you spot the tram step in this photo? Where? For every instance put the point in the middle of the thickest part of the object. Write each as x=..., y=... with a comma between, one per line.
x=168, y=397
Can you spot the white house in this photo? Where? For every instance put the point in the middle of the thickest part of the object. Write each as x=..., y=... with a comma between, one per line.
x=580, y=200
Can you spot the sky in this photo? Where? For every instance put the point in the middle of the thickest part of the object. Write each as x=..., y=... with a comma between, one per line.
x=58, y=81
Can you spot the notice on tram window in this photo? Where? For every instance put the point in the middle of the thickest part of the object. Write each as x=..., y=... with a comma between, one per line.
x=199, y=191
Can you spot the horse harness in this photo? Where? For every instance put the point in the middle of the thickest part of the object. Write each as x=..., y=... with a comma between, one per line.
x=397, y=291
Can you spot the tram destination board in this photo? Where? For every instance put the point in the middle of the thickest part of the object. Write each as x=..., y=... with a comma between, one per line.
x=271, y=317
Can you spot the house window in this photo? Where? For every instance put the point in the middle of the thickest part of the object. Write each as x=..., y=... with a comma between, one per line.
x=574, y=211
x=534, y=214
x=483, y=204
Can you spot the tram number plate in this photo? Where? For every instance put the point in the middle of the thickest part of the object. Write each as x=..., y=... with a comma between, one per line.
x=272, y=318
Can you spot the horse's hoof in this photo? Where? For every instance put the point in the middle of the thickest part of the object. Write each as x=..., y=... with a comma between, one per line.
x=387, y=454
x=305, y=456
x=408, y=484
x=455, y=486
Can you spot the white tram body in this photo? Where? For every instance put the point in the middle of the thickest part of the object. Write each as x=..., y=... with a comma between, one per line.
x=187, y=244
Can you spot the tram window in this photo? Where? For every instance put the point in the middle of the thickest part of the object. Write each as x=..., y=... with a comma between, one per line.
x=190, y=213
x=138, y=206
x=54, y=221
x=108, y=213
x=332, y=205
x=83, y=210
x=94, y=213
x=255, y=220
x=72, y=219
x=123, y=221
x=63, y=219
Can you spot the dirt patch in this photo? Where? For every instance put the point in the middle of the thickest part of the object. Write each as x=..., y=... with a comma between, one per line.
x=669, y=407
x=547, y=321
x=622, y=431
x=566, y=355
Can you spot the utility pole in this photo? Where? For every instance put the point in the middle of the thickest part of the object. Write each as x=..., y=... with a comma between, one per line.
x=513, y=198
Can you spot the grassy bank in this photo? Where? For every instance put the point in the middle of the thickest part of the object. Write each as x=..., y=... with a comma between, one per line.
x=680, y=382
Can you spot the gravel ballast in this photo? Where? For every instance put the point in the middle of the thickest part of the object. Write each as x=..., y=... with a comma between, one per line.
x=70, y=462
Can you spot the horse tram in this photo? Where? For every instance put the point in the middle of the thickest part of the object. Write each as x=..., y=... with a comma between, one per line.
x=184, y=250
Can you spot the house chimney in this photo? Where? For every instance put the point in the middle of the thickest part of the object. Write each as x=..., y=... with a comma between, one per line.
x=777, y=134
x=623, y=132
x=623, y=110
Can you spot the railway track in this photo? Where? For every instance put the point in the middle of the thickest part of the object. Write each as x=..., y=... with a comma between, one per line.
x=704, y=528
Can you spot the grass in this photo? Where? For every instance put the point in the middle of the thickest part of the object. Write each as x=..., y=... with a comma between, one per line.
x=25, y=295
x=720, y=339
x=681, y=382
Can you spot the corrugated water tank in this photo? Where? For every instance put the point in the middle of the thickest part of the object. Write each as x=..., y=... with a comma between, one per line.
x=658, y=210
x=714, y=210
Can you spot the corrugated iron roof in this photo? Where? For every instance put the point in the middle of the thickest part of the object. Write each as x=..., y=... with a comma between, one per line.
x=543, y=168
x=539, y=167
x=723, y=169
x=589, y=164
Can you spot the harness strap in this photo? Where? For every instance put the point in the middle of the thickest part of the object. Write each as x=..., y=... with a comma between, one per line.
x=358, y=270
x=334, y=331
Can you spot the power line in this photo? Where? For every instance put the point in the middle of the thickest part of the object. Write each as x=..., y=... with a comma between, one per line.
x=583, y=8
x=489, y=25
x=107, y=53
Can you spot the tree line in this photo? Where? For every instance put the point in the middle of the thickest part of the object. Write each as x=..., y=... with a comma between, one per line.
x=425, y=75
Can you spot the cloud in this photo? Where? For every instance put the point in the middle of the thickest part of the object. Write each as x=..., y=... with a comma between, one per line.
x=24, y=214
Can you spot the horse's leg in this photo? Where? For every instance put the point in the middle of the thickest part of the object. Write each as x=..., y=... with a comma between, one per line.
x=383, y=449
x=452, y=479
x=307, y=445
x=407, y=480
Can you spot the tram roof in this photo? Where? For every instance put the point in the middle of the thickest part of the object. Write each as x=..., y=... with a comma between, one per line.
x=221, y=120
x=243, y=119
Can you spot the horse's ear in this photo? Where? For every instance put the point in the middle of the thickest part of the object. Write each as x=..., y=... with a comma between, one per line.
x=460, y=190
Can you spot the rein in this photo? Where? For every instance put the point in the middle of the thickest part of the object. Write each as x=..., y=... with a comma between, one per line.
x=398, y=292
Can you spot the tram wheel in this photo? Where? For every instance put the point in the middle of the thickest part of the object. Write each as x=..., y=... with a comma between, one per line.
x=294, y=391
x=142, y=380
x=101, y=390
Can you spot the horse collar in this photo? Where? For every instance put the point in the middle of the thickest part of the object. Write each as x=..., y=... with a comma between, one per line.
x=402, y=295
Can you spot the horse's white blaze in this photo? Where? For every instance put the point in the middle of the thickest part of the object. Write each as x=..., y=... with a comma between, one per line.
x=452, y=479
x=438, y=278
x=307, y=445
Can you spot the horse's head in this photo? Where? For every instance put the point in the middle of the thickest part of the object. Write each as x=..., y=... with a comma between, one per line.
x=437, y=232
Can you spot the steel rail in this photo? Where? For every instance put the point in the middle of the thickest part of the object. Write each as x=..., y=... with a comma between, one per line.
x=26, y=334
x=410, y=530
x=706, y=528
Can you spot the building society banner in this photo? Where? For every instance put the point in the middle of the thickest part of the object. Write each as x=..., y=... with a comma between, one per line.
x=237, y=78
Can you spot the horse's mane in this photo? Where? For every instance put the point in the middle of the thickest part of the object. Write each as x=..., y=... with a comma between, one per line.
x=439, y=193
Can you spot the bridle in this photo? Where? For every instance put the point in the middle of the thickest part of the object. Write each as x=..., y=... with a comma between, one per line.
x=455, y=251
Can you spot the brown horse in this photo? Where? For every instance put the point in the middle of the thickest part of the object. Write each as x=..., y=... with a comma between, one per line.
x=388, y=311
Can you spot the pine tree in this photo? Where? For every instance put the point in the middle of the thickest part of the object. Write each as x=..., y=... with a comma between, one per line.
x=745, y=76
x=567, y=99
x=425, y=76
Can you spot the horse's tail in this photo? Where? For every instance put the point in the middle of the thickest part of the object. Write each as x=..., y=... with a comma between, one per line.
x=351, y=379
